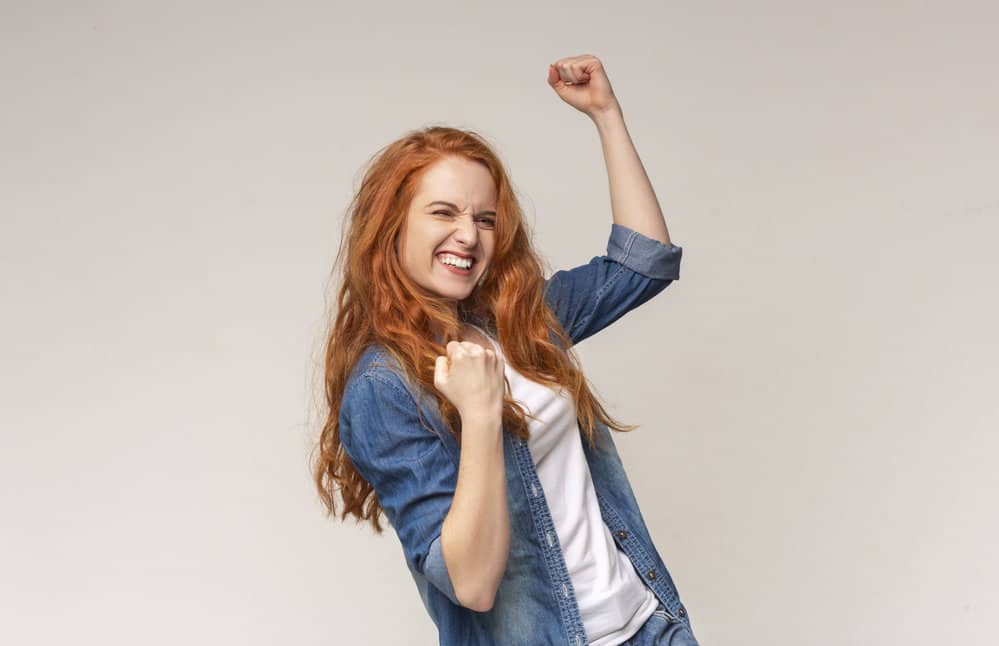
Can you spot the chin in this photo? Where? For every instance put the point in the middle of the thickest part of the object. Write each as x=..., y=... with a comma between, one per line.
x=456, y=295
x=452, y=292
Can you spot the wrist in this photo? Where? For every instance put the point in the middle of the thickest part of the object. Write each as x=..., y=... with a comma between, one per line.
x=607, y=114
x=481, y=417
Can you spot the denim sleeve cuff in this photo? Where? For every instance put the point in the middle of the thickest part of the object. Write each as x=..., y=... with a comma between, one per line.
x=644, y=255
x=435, y=570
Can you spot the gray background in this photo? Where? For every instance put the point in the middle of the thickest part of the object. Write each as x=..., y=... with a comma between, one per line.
x=817, y=456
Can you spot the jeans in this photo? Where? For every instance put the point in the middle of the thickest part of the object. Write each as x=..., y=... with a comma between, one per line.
x=663, y=630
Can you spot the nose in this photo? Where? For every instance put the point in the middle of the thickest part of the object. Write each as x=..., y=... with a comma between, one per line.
x=466, y=232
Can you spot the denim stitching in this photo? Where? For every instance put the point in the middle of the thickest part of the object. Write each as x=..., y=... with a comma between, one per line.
x=377, y=377
x=600, y=293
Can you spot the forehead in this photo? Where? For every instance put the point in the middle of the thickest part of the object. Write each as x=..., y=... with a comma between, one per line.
x=458, y=180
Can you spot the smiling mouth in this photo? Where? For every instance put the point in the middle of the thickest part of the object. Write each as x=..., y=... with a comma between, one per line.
x=455, y=269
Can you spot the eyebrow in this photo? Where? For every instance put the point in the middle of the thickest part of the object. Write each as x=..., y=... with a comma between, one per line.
x=448, y=204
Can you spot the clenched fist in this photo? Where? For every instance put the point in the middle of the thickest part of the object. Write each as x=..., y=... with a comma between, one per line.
x=471, y=377
x=582, y=82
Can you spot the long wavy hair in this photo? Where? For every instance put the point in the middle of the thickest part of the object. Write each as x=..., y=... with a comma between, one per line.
x=379, y=304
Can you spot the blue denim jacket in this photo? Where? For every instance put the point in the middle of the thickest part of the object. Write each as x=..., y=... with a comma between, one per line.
x=414, y=470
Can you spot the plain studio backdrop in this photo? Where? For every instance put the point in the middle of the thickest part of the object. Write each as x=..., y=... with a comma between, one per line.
x=817, y=456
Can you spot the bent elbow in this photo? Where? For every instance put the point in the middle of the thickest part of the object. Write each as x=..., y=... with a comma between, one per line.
x=481, y=603
x=479, y=598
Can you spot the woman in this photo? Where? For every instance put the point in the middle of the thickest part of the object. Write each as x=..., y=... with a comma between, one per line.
x=457, y=406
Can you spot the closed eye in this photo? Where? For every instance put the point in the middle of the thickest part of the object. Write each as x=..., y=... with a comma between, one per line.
x=489, y=221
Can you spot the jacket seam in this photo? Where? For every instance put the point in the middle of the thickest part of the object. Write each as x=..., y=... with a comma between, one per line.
x=603, y=290
x=375, y=376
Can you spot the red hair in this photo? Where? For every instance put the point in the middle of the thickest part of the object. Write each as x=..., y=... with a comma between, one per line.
x=379, y=304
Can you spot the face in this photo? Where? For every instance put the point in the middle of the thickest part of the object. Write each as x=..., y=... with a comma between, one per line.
x=454, y=211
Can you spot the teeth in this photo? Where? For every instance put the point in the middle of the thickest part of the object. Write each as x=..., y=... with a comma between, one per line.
x=448, y=259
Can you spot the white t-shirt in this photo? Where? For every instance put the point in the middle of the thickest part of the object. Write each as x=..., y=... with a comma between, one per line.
x=612, y=599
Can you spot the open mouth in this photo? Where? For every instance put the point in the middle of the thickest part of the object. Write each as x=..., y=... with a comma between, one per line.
x=461, y=271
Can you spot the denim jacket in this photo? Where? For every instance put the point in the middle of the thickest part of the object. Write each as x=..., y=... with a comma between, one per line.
x=414, y=470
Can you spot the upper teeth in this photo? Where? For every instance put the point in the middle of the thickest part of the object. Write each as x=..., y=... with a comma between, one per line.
x=448, y=259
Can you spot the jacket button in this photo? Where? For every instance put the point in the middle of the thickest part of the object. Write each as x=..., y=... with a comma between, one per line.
x=651, y=574
x=681, y=612
x=622, y=534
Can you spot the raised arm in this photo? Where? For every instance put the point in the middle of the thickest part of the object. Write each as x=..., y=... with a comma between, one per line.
x=582, y=82
x=641, y=260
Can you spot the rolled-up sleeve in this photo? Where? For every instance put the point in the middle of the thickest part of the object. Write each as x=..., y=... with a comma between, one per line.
x=408, y=465
x=644, y=255
x=588, y=298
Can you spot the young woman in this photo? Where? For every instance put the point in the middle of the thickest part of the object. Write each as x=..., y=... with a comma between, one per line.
x=458, y=407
